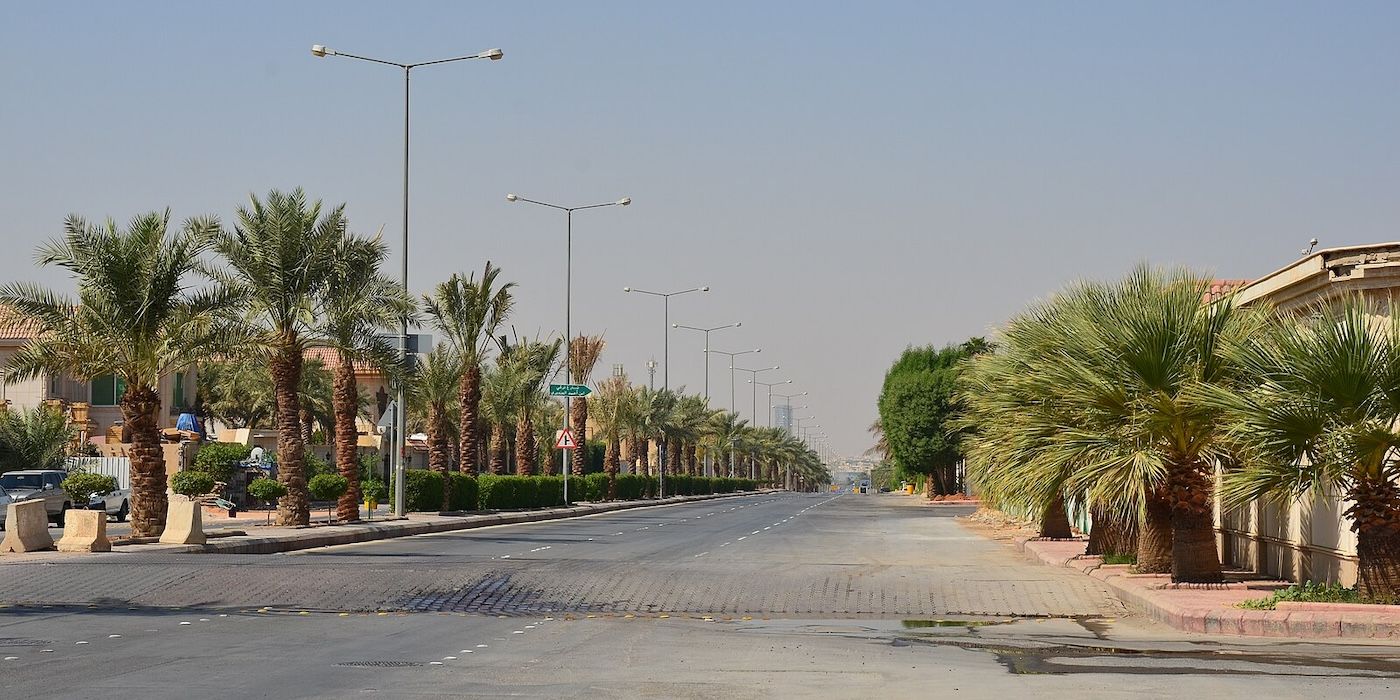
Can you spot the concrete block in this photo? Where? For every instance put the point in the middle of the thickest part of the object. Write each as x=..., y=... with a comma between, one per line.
x=184, y=523
x=85, y=531
x=26, y=528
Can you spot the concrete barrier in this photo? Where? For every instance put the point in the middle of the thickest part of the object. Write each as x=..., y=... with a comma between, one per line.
x=85, y=531
x=26, y=528
x=184, y=523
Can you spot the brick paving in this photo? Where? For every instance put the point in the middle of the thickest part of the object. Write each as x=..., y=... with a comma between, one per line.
x=778, y=556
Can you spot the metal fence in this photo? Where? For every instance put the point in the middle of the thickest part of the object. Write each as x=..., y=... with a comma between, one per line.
x=118, y=467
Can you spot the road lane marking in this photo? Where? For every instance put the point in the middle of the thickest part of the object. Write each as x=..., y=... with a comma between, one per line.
x=755, y=532
x=741, y=539
x=701, y=554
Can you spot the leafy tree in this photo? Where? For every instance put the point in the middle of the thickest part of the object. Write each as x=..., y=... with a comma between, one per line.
x=467, y=312
x=135, y=317
x=267, y=491
x=220, y=459
x=34, y=439
x=280, y=258
x=191, y=484
x=919, y=411
x=328, y=487
x=82, y=487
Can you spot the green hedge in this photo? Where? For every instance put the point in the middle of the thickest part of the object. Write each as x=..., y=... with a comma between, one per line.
x=508, y=492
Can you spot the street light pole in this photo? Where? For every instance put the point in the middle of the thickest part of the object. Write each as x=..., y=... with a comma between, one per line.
x=568, y=300
x=753, y=410
x=707, y=332
x=770, y=386
x=731, y=356
x=400, y=412
x=788, y=398
x=665, y=362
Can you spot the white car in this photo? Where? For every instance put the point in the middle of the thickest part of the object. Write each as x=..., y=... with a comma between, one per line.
x=46, y=485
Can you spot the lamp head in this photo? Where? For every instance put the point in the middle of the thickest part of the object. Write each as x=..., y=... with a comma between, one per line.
x=626, y=289
x=758, y=349
x=493, y=54
x=788, y=381
x=675, y=325
x=511, y=197
x=624, y=201
x=320, y=51
x=704, y=289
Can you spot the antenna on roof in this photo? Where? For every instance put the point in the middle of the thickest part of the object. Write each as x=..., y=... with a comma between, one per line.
x=1312, y=243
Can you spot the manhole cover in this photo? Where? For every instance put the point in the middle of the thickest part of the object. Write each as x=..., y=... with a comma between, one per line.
x=22, y=642
x=379, y=664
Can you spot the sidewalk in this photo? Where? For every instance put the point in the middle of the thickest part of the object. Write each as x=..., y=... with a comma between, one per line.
x=1209, y=608
x=260, y=539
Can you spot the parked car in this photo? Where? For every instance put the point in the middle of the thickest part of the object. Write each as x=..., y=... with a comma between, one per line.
x=46, y=484
x=5, y=502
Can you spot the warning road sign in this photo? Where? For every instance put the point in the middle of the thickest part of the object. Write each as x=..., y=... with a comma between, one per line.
x=564, y=440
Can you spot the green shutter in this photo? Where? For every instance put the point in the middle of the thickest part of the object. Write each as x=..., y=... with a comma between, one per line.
x=179, y=398
x=118, y=390
x=102, y=390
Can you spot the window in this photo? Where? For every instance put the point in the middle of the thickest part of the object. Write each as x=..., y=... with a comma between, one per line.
x=107, y=390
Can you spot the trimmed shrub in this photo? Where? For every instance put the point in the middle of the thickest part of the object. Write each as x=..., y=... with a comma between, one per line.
x=549, y=491
x=220, y=459
x=578, y=489
x=422, y=490
x=327, y=487
x=269, y=490
x=631, y=487
x=82, y=487
x=190, y=483
x=372, y=490
x=595, y=487
x=463, y=492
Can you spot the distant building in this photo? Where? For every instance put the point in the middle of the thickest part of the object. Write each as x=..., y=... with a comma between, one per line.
x=782, y=417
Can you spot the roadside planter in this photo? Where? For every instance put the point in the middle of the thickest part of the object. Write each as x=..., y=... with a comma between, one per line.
x=26, y=527
x=85, y=531
x=184, y=518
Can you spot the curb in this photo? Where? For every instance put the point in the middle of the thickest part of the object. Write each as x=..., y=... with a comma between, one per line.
x=1212, y=608
x=370, y=532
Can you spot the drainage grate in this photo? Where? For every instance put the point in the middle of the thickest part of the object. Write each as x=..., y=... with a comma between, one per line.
x=379, y=664
x=22, y=642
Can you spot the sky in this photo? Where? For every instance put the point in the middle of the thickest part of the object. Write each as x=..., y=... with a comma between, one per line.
x=848, y=178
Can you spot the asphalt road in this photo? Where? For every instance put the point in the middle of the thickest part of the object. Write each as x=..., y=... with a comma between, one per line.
x=764, y=596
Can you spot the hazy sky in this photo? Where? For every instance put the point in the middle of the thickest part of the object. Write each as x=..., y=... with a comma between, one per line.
x=849, y=178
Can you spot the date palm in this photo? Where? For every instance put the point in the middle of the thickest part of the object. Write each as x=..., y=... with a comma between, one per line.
x=279, y=259
x=613, y=411
x=468, y=311
x=723, y=435
x=432, y=395
x=135, y=316
x=360, y=303
x=1316, y=411
x=584, y=352
x=535, y=362
x=692, y=413
x=498, y=410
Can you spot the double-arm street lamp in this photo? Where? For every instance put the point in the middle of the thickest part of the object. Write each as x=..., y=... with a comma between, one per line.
x=788, y=398
x=400, y=410
x=770, y=386
x=707, y=332
x=731, y=356
x=752, y=379
x=665, y=361
x=568, y=298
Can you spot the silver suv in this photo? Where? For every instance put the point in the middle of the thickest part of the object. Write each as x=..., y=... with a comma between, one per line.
x=42, y=484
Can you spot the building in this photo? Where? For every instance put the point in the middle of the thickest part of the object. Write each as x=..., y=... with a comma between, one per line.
x=782, y=417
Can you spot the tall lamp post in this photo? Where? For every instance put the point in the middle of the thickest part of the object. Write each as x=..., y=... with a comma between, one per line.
x=770, y=386
x=568, y=296
x=707, y=332
x=731, y=356
x=665, y=361
x=400, y=412
x=788, y=398
x=753, y=378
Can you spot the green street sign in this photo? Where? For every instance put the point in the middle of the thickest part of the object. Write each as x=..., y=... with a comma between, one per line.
x=568, y=390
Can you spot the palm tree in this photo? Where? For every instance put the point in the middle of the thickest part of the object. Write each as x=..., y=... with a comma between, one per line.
x=655, y=407
x=692, y=414
x=613, y=411
x=280, y=258
x=535, y=363
x=498, y=402
x=548, y=413
x=135, y=317
x=1316, y=411
x=723, y=435
x=35, y=439
x=315, y=398
x=584, y=352
x=432, y=393
x=359, y=303
x=467, y=312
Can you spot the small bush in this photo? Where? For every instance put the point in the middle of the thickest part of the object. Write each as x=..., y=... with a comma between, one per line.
x=595, y=487
x=373, y=490
x=1306, y=593
x=220, y=459
x=190, y=483
x=423, y=490
x=549, y=491
x=268, y=490
x=82, y=487
x=327, y=487
x=463, y=494
x=578, y=489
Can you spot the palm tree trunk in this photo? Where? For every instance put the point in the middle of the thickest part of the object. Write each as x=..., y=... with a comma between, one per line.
x=1054, y=521
x=578, y=421
x=1375, y=516
x=1195, y=558
x=347, y=439
x=140, y=405
x=525, y=451
x=439, y=450
x=692, y=464
x=642, y=449
x=470, y=397
x=498, y=449
x=1113, y=534
x=295, y=507
x=611, y=466
x=1155, y=536
x=673, y=457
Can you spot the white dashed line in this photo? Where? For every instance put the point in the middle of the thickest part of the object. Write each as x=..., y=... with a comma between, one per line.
x=701, y=554
x=755, y=532
x=741, y=539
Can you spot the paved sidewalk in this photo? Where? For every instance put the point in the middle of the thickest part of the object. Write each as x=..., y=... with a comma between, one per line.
x=1207, y=608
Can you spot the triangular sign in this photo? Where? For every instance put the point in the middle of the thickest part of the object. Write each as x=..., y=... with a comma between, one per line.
x=564, y=440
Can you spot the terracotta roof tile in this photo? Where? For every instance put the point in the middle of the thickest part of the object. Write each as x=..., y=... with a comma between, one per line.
x=14, y=326
x=1219, y=289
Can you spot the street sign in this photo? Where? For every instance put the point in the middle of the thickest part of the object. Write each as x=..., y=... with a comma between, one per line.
x=564, y=440
x=568, y=390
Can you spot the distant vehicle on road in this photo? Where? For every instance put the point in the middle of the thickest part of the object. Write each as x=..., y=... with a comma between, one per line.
x=46, y=484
